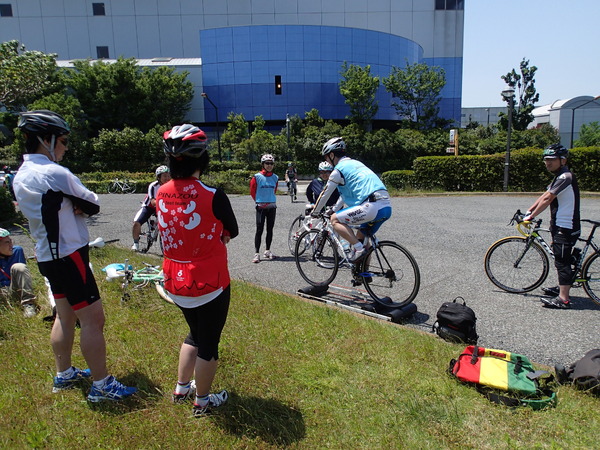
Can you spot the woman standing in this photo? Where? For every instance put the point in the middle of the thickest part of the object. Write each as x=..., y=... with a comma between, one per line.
x=195, y=223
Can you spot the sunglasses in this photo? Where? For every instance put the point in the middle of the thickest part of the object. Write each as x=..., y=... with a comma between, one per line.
x=268, y=163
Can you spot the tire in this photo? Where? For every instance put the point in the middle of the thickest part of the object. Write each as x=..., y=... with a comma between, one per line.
x=501, y=267
x=591, y=274
x=113, y=188
x=293, y=234
x=390, y=274
x=316, y=258
x=147, y=238
x=160, y=288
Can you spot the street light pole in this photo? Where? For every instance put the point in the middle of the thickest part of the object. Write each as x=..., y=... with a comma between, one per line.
x=508, y=95
x=205, y=95
x=573, y=116
x=287, y=129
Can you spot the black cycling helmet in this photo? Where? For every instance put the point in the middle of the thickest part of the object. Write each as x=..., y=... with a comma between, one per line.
x=336, y=145
x=555, y=151
x=43, y=122
x=185, y=140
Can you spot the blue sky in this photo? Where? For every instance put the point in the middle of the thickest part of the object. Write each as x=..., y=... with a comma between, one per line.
x=560, y=37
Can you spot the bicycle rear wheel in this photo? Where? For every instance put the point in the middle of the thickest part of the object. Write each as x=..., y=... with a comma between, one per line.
x=391, y=274
x=316, y=257
x=516, y=264
x=295, y=230
x=591, y=274
x=113, y=188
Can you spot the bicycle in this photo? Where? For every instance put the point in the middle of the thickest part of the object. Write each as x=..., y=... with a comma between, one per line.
x=149, y=235
x=137, y=278
x=388, y=271
x=121, y=187
x=302, y=223
x=292, y=190
x=520, y=264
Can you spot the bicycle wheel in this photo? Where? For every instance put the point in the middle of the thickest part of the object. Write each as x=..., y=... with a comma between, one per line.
x=316, y=257
x=295, y=230
x=113, y=188
x=128, y=187
x=147, y=237
x=516, y=264
x=390, y=274
x=591, y=274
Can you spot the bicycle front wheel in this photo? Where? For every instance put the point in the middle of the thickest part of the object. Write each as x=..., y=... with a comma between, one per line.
x=316, y=257
x=146, y=238
x=129, y=187
x=516, y=264
x=591, y=274
x=294, y=233
x=391, y=274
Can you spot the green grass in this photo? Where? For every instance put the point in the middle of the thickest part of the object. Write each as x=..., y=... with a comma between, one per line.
x=301, y=375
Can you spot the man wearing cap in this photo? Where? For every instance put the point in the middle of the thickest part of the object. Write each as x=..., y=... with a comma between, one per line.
x=15, y=278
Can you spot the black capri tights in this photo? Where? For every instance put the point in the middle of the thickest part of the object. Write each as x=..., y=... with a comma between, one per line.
x=262, y=216
x=562, y=247
x=206, y=323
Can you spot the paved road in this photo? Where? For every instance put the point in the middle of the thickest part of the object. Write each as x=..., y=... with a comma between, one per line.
x=448, y=235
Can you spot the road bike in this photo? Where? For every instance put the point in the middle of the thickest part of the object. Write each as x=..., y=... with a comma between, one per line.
x=388, y=271
x=305, y=222
x=292, y=190
x=137, y=279
x=149, y=235
x=121, y=187
x=520, y=264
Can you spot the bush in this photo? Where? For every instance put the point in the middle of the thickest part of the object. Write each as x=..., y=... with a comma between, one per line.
x=399, y=179
x=8, y=213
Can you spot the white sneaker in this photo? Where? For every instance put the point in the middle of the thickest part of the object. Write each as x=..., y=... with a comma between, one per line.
x=357, y=254
x=256, y=258
x=135, y=247
x=269, y=255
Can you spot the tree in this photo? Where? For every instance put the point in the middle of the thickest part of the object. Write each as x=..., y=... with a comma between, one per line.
x=417, y=89
x=524, y=86
x=25, y=75
x=120, y=94
x=589, y=135
x=358, y=87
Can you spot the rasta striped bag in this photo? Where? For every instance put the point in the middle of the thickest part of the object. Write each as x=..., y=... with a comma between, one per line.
x=504, y=377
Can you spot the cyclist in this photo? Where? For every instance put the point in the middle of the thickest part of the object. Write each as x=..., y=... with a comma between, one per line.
x=148, y=208
x=365, y=194
x=563, y=198
x=196, y=222
x=316, y=186
x=291, y=178
x=56, y=205
x=263, y=187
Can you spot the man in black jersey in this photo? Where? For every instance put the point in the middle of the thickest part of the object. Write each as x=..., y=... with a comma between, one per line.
x=563, y=197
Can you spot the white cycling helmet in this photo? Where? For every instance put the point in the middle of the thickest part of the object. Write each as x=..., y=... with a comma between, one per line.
x=160, y=170
x=267, y=158
x=325, y=167
x=335, y=144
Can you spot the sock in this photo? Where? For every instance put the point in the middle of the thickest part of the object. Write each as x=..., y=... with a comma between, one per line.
x=182, y=388
x=201, y=400
x=66, y=373
x=101, y=383
x=358, y=246
x=136, y=242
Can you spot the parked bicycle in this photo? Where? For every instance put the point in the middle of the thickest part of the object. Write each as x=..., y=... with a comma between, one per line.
x=121, y=187
x=388, y=271
x=149, y=235
x=520, y=264
x=137, y=279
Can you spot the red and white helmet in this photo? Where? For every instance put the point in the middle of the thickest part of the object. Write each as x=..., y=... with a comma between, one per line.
x=267, y=158
x=185, y=140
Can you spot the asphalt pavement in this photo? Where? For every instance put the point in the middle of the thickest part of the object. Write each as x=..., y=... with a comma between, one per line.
x=448, y=235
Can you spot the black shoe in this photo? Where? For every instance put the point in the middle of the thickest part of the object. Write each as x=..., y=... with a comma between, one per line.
x=555, y=302
x=553, y=291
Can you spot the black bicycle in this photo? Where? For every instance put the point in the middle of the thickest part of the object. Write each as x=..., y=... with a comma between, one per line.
x=149, y=235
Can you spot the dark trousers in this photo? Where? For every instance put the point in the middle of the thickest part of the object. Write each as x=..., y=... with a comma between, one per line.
x=264, y=215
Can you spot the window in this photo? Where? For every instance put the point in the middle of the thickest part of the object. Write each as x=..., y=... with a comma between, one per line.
x=450, y=4
x=102, y=52
x=5, y=10
x=277, y=84
x=98, y=9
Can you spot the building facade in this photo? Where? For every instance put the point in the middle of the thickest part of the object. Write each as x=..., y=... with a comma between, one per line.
x=258, y=57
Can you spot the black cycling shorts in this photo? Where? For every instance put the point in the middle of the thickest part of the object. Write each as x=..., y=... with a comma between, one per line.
x=72, y=277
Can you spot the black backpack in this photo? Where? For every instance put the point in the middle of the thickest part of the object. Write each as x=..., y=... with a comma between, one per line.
x=456, y=322
x=584, y=373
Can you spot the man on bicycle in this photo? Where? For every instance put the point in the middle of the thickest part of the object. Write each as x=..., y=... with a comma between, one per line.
x=291, y=175
x=365, y=194
x=148, y=208
x=563, y=198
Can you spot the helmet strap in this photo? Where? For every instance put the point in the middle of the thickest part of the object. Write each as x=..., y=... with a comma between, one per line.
x=50, y=148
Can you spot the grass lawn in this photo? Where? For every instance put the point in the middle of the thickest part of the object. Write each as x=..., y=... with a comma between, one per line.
x=300, y=375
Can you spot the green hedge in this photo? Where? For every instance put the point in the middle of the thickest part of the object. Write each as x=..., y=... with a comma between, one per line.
x=8, y=213
x=486, y=173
